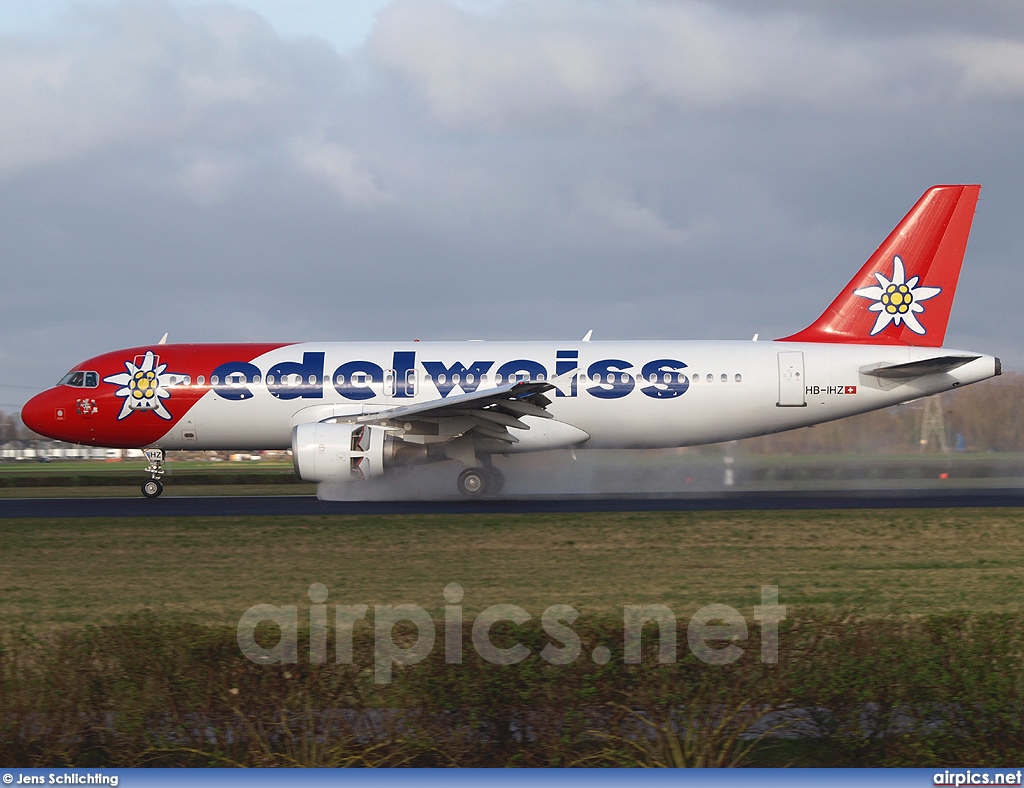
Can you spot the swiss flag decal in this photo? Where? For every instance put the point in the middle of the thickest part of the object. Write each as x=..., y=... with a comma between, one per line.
x=850, y=390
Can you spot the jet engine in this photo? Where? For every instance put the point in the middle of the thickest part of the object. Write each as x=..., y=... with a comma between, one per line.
x=341, y=452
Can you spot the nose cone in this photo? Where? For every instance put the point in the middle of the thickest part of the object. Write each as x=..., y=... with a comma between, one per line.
x=40, y=414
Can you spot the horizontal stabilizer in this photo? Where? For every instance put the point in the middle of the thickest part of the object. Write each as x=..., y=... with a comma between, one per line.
x=917, y=369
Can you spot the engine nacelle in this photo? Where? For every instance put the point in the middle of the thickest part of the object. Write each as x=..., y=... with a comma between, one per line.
x=339, y=452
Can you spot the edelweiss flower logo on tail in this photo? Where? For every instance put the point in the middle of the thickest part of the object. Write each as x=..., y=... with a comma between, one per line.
x=144, y=387
x=898, y=301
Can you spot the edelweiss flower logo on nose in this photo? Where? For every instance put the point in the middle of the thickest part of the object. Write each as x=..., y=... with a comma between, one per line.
x=897, y=301
x=144, y=387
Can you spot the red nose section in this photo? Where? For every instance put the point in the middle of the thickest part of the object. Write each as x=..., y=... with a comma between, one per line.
x=44, y=413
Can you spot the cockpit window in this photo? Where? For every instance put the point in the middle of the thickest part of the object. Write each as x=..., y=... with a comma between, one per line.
x=80, y=380
x=76, y=379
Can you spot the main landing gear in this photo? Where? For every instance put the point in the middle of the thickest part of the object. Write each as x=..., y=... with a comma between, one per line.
x=152, y=487
x=478, y=482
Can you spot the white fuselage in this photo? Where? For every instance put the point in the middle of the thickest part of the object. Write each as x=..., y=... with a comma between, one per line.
x=704, y=392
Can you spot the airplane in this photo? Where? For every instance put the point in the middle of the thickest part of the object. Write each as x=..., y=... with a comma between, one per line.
x=353, y=411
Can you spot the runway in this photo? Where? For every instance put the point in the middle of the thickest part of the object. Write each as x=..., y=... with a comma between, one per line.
x=262, y=506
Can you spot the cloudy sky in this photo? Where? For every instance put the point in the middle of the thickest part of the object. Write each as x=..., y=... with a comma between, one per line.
x=481, y=169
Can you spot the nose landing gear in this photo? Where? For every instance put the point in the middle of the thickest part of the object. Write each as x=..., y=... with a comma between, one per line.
x=152, y=487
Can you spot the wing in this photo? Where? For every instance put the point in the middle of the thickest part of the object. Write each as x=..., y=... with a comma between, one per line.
x=491, y=413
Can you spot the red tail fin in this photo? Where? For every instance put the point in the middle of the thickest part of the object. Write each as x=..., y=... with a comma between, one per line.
x=903, y=294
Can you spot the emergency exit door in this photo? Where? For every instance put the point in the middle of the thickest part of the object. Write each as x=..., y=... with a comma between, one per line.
x=791, y=379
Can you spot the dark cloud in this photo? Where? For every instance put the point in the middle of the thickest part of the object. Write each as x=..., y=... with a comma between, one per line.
x=985, y=17
x=645, y=169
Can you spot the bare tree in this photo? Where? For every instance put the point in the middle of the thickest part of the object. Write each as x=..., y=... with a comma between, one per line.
x=987, y=416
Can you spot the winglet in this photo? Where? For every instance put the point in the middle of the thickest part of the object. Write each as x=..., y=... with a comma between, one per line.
x=904, y=292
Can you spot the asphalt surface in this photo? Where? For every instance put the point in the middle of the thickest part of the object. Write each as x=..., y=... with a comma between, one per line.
x=242, y=506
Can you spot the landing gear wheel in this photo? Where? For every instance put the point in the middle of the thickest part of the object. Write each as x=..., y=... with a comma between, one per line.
x=474, y=482
x=496, y=482
x=155, y=469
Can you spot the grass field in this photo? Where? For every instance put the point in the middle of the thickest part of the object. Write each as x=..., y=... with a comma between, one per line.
x=134, y=468
x=94, y=479
x=901, y=647
x=910, y=562
x=666, y=471
x=171, y=490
